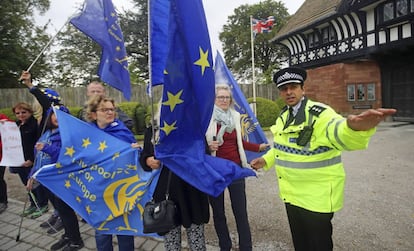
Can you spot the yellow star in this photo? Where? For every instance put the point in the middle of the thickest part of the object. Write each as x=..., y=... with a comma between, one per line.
x=132, y=167
x=78, y=199
x=173, y=100
x=168, y=128
x=70, y=151
x=67, y=184
x=88, y=209
x=116, y=155
x=86, y=142
x=203, y=61
x=102, y=146
x=58, y=165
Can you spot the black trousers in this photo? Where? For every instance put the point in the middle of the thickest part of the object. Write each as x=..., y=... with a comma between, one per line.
x=239, y=206
x=311, y=231
x=3, y=186
x=69, y=220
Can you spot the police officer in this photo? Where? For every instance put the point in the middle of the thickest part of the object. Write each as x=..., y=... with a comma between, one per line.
x=308, y=140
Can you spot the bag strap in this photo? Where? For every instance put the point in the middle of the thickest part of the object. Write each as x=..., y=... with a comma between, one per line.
x=167, y=192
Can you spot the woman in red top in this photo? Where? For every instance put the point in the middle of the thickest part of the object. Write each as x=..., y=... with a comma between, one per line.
x=225, y=140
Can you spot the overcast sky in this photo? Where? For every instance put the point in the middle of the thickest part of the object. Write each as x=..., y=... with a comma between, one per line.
x=217, y=12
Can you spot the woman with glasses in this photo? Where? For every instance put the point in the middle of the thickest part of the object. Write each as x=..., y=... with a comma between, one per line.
x=29, y=131
x=101, y=112
x=225, y=140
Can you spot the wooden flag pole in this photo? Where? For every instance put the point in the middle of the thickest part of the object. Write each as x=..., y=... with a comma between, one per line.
x=253, y=71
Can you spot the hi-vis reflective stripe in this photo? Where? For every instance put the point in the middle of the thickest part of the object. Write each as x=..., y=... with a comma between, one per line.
x=314, y=164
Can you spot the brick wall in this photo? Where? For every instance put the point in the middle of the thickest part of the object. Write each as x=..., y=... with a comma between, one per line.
x=328, y=84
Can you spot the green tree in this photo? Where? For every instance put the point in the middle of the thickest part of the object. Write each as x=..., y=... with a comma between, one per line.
x=134, y=23
x=236, y=39
x=21, y=40
x=76, y=59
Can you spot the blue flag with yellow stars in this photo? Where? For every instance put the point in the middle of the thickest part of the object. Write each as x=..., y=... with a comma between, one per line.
x=99, y=21
x=251, y=129
x=100, y=177
x=187, y=104
x=158, y=28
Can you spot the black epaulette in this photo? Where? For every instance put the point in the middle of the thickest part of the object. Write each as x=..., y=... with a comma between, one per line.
x=316, y=110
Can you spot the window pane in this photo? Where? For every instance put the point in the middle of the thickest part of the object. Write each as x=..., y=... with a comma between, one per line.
x=371, y=92
x=388, y=11
x=361, y=92
x=325, y=35
x=351, y=92
x=402, y=8
x=332, y=33
x=310, y=40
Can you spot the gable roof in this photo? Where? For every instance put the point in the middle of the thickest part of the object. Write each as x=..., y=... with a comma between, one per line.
x=310, y=12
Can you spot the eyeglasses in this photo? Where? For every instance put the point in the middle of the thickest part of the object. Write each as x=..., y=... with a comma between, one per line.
x=22, y=112
x=106, y=110
x=223, y=98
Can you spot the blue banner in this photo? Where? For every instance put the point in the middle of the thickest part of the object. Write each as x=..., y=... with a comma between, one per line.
x=99, y=21
x=100, y=177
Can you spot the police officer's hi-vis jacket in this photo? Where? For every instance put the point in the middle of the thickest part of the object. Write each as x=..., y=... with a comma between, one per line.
x=311, y=175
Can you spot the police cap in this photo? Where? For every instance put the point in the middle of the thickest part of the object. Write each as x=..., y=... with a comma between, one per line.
x=289, y=75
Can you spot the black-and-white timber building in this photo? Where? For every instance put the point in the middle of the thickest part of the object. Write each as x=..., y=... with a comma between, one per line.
x=358, y=54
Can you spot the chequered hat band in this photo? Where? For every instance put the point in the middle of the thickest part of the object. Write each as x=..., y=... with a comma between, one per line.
x=289, y=76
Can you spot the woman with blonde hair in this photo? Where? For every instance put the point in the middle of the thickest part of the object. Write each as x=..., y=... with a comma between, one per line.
x=225, y=141
x=101, y=113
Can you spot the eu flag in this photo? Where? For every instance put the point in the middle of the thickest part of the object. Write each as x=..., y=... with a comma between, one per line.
x=100, y=177
x=99, y=21
x=158, y=29
x=188, y=100
x=251, y=129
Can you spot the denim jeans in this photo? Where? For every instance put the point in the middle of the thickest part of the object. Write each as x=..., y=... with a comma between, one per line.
x=104, y=242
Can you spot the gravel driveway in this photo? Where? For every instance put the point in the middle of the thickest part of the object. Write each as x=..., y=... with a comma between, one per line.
x=379, y=199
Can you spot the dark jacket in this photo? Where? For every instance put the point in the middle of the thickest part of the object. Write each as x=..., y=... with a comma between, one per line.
x=29, y=132
x=192, y=204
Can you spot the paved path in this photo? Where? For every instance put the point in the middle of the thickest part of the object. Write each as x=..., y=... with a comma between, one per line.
x=33, y=237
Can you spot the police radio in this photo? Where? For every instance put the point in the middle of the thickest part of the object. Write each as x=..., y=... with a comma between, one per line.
x=305, y=135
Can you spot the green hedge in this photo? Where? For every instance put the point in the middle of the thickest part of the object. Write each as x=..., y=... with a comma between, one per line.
x=266, y=111
x=8, y=112
x=134, y=111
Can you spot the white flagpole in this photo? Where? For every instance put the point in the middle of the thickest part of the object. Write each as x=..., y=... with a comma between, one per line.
x=253, y=71
x=47, y=45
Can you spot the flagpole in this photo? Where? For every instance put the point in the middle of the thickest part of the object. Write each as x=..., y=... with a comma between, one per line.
x=47, y=45
x=253, y=71
x=150, y=72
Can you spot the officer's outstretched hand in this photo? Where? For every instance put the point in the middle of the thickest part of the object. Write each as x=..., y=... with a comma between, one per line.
x=257, y=163
x=368, y=119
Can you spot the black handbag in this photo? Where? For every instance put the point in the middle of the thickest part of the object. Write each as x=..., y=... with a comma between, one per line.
x=160, y=217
